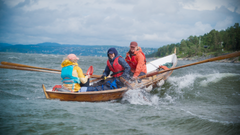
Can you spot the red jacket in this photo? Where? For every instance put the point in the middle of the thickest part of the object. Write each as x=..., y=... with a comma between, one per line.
x=116, y=68
x=137, y=62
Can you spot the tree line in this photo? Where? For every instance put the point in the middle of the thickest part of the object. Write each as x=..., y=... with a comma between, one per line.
x=212, y=43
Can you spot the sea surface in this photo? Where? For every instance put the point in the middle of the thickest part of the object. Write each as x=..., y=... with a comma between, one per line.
x=197, y=100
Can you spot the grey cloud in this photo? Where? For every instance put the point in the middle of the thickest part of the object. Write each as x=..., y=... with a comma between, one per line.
x=151, y=23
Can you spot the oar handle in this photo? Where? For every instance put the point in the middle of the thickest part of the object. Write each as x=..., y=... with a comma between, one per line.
x=94, y=80
x=95, y=76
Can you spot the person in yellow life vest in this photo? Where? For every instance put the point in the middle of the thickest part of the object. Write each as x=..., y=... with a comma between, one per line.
x=136, y=60
x=72, y=74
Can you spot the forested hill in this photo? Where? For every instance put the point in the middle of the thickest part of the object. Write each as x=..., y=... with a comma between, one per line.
x=213, y=43
x=55, y=48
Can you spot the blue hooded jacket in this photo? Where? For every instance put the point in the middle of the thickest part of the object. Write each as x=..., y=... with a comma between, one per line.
x=121, y=61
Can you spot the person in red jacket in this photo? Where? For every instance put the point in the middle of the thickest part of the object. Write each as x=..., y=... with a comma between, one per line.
x=136, y=60
x=119, y=68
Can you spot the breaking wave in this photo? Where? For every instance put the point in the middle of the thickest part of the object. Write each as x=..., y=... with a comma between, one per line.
x=188, y=80
x=175, y=88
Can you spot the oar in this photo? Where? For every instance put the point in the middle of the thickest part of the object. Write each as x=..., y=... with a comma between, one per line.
x=33, y=67
x=231, y=55
x=37, y=70
x=27, y=69
x=94, y=80
x=27, y=66
x=90, y=70
x=126, y=83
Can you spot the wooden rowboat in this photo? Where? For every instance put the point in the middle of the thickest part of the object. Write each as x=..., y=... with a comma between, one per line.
x=106, y=95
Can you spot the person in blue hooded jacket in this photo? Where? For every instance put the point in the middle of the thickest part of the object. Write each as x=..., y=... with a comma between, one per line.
x=119, y=68
x=116, y=64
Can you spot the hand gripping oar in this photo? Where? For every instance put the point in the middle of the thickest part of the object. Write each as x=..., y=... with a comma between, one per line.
x=90, y=72
x=231, y=55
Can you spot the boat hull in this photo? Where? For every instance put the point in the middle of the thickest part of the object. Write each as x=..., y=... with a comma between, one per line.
x=88, y=96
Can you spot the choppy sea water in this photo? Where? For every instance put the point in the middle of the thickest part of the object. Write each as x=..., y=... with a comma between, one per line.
x=202, y=99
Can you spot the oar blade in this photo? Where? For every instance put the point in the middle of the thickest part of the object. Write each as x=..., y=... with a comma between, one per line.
x=90, y=70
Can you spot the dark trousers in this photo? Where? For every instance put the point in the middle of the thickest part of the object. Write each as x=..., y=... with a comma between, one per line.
x=102, y=82
x=105, y=85
x=98, y=88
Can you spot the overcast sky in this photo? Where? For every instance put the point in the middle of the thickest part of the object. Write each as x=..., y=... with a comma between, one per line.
x=152, y=23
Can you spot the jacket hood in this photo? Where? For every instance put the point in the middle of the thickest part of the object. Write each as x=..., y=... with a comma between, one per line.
x=114, y=51
x=139, y=49
x=68, y=63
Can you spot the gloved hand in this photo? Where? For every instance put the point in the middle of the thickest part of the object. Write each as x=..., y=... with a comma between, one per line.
x=88, y=75
x=103, y=77
x=126, y=77
x=163, y=67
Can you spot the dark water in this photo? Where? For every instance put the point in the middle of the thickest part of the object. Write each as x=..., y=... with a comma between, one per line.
x=200, y=100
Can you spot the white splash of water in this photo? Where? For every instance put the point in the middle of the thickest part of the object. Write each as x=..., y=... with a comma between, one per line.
x=154, y=99
x=183, y=81
x=180, y=85
x=214, y=78
x=13, y=58
x=48, y=89
x=208, y=118
x=136, y=96
x=188, y=80
x=141, y=97
x=50, y=55
x=167, y=100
